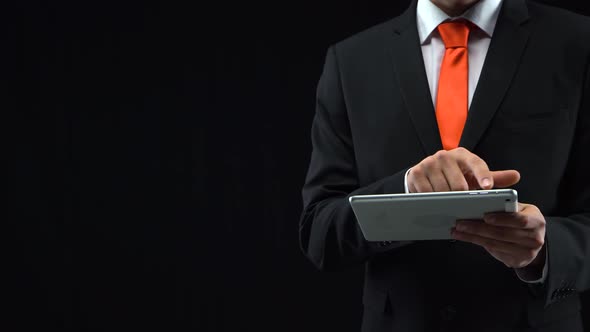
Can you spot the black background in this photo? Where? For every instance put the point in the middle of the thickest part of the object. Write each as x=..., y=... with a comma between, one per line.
x=160, y=152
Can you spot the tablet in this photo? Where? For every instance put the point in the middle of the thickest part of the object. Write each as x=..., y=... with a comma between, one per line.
x=425, y=216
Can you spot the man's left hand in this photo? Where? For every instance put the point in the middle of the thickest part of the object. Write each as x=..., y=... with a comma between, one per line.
x=514, y=239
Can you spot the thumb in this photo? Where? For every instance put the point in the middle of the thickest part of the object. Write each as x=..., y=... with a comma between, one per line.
x=504, y=179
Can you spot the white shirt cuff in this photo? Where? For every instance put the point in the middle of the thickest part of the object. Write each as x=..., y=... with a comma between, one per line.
x=406, y=181
x=525, y=277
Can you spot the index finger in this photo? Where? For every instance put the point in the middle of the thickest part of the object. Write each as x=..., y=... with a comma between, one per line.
x=469, y=162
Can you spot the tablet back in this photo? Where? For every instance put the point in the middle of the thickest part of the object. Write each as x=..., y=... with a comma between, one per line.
x=428, y=216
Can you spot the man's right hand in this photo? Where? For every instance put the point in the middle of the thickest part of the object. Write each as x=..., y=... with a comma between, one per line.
x=457, y=170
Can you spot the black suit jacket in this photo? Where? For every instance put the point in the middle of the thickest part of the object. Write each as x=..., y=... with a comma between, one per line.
x=530, y=112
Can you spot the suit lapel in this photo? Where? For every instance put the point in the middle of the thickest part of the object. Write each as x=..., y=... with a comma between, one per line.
x=408, y=64
x=508, y=43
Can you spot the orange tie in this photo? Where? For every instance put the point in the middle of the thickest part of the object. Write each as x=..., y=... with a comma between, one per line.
x=453, y=83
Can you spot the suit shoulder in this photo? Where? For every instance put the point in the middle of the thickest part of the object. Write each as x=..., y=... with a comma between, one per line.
x=365, y=40
x=560, y=18
x=566, y=27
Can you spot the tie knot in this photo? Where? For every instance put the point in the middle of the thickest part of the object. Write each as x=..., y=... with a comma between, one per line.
x=455, y=34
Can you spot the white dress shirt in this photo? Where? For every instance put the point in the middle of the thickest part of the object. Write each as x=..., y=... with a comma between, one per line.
x=484, y=14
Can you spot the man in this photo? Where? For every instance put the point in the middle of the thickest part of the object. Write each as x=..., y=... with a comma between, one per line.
x=457, y=95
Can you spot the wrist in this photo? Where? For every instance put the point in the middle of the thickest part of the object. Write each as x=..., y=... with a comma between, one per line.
x=538, y=263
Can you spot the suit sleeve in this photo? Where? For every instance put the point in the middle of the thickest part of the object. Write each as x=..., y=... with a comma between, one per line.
x=568, y=238
x=329, y=234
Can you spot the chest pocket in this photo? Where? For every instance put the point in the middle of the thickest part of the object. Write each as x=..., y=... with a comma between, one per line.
x=532, y=121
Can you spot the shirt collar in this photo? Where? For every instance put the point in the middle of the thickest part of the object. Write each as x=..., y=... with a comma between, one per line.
x=484, y=14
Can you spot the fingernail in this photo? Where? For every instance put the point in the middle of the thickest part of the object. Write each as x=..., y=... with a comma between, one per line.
x=486, y=182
